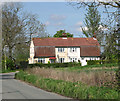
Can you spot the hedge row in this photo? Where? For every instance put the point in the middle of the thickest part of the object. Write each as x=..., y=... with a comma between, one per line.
x=75, y=90
x=96, y=62
x=55, y=65
x=72, y=64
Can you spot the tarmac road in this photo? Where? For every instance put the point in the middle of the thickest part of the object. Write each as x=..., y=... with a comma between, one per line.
x=15, y=89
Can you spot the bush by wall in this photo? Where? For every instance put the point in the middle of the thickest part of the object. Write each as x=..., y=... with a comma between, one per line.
x=96, y=62
x=93, y=62
x=109, y=61
x=55, y=65
x=75, y=90
x=23, y=64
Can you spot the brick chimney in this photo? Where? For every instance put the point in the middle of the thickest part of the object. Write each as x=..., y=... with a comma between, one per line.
x=94, y=35
x=64, y=35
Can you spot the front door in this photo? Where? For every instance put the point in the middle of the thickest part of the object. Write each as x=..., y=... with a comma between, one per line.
x=52, y=61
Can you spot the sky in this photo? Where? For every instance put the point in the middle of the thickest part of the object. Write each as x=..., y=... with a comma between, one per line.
x=59, y=16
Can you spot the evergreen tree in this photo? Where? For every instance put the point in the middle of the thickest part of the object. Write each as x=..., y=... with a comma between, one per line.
x=60, y=32
x=92, y=22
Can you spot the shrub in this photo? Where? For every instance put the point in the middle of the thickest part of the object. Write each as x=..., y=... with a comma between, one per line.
x=96, y=62
x=48, y=62
x=93, y=62
x=54, y=65
x=23, y=64
x=9, y=64
x=109, y=61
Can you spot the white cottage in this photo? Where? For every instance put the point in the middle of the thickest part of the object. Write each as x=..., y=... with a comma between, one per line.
x=60, y=50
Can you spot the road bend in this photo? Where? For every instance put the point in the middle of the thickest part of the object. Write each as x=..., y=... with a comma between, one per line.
x=16, y=89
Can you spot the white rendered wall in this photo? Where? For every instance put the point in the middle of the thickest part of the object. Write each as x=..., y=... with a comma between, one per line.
x=75, y=54
x=31, y=59
x=61, y=54
x=84, y=60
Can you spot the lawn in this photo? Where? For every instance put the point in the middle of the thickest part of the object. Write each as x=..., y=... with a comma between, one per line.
x=99, y=67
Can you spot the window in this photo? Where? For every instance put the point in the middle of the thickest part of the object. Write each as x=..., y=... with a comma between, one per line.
x=41, y=60
x=73, y=49
x=73, y=59
x=61, y=60
x=82, y=58
x=61, y=49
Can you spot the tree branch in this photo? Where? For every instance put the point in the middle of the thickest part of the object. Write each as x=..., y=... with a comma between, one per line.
x=109, y=3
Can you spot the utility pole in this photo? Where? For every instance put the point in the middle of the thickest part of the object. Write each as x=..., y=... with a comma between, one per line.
x=5, y=57
x=118, y=73
x=119, y=35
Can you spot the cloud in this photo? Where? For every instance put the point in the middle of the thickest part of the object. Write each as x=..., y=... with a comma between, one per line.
x=80, y=29
x=85, y=28
x=47, y=23
x=55, y=17
x=78, y=23
x=59, y=24
x=77, y=26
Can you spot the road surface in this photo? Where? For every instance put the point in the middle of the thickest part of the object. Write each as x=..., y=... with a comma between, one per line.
x=15, y=89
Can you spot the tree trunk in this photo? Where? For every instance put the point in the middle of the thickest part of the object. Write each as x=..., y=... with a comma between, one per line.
x=10, y=53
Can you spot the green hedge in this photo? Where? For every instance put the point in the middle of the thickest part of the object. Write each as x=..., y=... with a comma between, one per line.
x=75, y=90
x=96, y=62
x=54, y=65
x=93, y=62
x=9, y=64
x=109, y=61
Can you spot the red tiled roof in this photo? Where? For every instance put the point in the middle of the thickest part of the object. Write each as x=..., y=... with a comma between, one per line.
x=44, y=51
x=44, y=46
x=89, y=51
x=65, y=42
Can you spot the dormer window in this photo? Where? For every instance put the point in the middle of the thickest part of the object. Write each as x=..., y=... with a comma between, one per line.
x=61, y=49
x=73, y=49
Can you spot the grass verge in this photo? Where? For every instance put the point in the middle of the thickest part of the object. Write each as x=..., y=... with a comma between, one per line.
x=75, y=90
x=7, y=71
x=90, y=67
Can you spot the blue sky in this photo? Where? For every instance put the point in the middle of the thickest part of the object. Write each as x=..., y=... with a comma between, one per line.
x=59, y=15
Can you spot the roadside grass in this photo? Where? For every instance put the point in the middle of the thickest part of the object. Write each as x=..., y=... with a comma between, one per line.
x=76, y=90
x=7, y=71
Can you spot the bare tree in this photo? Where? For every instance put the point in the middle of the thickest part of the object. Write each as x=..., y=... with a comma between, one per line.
x=84, y=3
x=18, y=27
x=11, y=28
x=33, y=27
